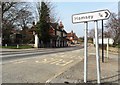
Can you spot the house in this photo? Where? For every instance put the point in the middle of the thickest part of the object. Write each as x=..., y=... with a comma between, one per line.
x=58, y=36
x=73, y=39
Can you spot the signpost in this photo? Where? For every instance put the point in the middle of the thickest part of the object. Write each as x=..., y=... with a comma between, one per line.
x=91, y=16
x=85, y=53
x=86, y=17
x=102, y=43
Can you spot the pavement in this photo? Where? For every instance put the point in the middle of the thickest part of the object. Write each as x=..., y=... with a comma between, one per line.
x=109, y=72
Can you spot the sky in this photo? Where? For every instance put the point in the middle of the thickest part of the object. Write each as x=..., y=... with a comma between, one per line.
x=65, y=10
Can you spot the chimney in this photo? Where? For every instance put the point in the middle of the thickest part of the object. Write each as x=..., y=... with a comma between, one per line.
x=33, y=23
x=61, y=25
x=72, y=32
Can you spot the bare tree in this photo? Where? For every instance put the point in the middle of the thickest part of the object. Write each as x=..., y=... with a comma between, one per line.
x=15, y=15
x=91, y=33
x=24, y=18
x=7, y=21
x=6, y=6
x=113, y=27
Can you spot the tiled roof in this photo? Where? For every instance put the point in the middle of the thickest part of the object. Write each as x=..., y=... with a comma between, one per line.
x=72, y=35
x=54, y=25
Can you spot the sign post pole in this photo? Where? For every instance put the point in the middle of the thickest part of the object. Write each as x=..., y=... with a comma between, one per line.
x=85, y=53
x=107, y=47
x=97, y=52
x=102, y=43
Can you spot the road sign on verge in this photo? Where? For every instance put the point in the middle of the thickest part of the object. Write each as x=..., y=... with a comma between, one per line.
x=85, y=17
x=91, y=16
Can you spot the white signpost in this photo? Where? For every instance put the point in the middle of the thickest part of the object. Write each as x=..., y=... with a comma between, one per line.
x=91, y=16
x=85, y=17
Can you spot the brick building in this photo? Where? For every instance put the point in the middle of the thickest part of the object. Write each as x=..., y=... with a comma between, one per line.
x=72, y=38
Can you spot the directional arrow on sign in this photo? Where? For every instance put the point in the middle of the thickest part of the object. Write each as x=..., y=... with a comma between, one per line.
x=91, y=16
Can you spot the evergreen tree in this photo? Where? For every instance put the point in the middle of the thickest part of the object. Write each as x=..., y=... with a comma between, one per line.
x=42, y=26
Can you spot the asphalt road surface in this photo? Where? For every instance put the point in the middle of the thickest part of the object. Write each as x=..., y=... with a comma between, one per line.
x=38, y=66
x=10, y=55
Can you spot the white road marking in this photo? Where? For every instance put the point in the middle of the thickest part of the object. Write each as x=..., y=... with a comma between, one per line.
x=48, y=60
x=73, y=57
x=60, y=63
x=62, y=53
x=17, y=62
x=37, y=61
x=67, y=63
x=11, y=55
x=56, y=61
x=62, y=56
x=92, y=53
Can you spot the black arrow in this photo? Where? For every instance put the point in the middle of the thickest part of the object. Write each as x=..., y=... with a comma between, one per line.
x=106, y=14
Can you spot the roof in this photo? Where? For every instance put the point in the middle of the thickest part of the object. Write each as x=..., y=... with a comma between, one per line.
x=54, y=25
x=64, y=31
x=72, y=35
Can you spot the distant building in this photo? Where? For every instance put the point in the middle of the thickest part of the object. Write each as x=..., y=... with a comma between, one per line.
x=58, y=36
x=106, y=41
x=73, y=39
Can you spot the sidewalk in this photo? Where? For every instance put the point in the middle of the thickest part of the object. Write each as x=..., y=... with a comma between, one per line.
x=109, y=72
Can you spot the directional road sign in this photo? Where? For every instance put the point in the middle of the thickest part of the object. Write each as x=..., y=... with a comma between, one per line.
x=91, y=16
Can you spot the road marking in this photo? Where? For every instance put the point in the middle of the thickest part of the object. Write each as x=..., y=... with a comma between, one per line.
x=62, y=56
x=67, y=63
x=37, y=61
x=61, y=53
x=17, y=62
x=92, y=53
x=48, y=60
x=73, y=57
x=56, y=61
x=60, y=63
x=50, y=79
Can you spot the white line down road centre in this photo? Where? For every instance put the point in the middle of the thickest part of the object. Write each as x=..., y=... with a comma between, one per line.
x=91, y=16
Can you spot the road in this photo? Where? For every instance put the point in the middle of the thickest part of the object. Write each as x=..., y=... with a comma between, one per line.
x=42, y=65
x=38, y=66
x=12, y=54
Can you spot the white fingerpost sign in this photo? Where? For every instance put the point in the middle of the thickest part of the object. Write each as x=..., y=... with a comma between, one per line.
x=91, y=16
x=86, y=17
